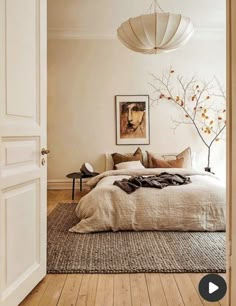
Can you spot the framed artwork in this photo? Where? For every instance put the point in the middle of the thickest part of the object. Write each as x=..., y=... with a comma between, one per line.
x=132, y=120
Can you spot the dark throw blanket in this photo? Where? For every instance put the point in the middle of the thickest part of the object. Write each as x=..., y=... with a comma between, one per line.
x=155, y=181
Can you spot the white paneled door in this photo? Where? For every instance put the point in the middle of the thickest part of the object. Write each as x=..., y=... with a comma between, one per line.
x=23, y=71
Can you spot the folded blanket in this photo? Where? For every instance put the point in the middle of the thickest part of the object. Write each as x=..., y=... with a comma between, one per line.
x=155, y=181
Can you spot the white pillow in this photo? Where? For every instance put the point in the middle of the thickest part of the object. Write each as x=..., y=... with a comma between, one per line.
x=130, y=165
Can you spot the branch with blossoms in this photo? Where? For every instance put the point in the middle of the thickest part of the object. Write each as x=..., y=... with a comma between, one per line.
x=203, y=104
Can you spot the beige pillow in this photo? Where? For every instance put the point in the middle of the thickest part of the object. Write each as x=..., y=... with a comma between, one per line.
x=121, y=158
x=159, y=163
x=186, y=155
x=130, y=165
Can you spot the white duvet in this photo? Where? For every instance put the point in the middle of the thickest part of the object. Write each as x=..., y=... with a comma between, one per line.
x=198, y=206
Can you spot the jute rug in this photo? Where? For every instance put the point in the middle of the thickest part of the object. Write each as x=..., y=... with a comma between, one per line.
x=130, y=252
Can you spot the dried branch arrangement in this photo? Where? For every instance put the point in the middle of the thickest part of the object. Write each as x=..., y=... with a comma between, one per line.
x=203, y=104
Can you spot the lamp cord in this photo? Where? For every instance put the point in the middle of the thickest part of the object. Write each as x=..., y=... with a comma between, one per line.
x=155, y=6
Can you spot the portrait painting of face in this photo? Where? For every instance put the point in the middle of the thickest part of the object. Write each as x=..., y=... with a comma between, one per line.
x=132, y=120
x=132, y=114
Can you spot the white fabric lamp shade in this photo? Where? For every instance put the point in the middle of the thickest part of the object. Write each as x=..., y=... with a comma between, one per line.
x=87, y=168
x=155, y=33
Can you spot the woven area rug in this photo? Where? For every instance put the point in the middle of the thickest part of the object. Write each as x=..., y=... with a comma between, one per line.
x=130, y=252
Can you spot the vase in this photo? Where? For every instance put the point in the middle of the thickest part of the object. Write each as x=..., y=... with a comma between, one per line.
x=207, y=169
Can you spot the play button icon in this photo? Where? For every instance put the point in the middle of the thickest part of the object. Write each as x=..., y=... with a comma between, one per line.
x=212, y=287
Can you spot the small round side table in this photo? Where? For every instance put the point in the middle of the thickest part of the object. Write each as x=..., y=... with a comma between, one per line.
x=74, y=176
x=80, y=176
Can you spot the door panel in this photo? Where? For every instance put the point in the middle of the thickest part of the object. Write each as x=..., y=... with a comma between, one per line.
x=23, y=73
x=19, y=154
x=21, y=57
x=21, y=201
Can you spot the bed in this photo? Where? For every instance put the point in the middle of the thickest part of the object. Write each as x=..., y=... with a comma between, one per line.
x=198, y=206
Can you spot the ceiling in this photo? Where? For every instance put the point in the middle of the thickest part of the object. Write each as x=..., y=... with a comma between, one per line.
x=102, y=17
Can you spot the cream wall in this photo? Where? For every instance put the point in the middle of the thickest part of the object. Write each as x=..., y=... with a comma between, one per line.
x=83, y=78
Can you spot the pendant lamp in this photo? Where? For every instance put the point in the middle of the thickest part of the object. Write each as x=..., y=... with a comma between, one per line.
x=155, y=33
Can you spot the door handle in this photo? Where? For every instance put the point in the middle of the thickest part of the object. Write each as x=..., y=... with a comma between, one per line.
x=44, y=151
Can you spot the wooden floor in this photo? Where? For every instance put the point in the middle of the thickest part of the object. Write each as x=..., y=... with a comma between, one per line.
x=144, y=289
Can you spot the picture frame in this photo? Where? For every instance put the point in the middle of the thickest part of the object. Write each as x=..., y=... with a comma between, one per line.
x=132, y=119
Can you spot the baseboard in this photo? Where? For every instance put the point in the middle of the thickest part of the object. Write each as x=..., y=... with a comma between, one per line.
x=63, y=184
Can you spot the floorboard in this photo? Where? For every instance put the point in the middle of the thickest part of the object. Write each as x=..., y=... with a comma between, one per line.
x=172, y=293
x=88, y=290
x=122, y=290
x=139, y=291
x=53, y=291
x=70, y=291
x=105, y=290
x=155, y=289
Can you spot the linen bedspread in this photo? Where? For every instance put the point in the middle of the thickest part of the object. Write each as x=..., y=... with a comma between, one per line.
x=199, y=206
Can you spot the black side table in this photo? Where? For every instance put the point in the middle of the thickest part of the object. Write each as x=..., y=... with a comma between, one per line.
x=80, y=176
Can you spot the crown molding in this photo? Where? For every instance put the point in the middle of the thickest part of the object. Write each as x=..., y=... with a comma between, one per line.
x=57, y=33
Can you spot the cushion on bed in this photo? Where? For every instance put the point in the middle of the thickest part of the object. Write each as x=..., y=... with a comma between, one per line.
x=130, y=165
x=186, y=155
x=151, y=155
x=121, y=158
x=159, y=163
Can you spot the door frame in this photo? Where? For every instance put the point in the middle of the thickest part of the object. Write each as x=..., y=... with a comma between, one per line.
x=231, y=151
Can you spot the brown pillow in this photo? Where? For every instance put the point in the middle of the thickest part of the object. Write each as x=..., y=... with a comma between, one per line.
x=176, y=163
x=186, y=155
x=149, y=158
x=120, y=158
